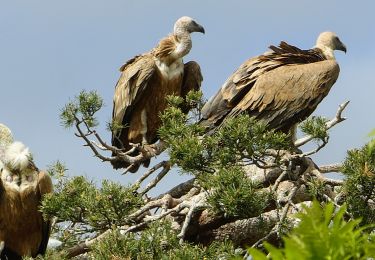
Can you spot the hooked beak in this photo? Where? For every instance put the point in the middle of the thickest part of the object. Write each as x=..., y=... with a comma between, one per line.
x=341, y=47
x=200, y=29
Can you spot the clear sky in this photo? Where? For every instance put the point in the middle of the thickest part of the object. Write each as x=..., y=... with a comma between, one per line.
x=51, y=50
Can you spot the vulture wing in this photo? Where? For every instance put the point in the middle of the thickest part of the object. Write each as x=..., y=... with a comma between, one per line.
x=192, y=80
x=45, y=186
x=280, y=87
x=289, y=94
x=131, y=86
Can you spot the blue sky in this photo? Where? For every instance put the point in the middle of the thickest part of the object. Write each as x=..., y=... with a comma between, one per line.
x=51, y=50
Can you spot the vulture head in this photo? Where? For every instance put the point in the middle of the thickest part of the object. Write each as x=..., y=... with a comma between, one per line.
x=187, y=24
x=328, y=42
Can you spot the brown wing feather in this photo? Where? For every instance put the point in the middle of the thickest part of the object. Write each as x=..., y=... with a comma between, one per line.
x=241, y=82
x=289, y=94
x=192, y=80
x=45, y=186
x=130, y=87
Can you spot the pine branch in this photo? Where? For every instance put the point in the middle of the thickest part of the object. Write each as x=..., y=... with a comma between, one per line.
x=337, y=119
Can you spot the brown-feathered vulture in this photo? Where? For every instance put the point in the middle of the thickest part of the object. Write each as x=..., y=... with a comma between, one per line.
x=23, y=231
x=281, y=87
x=145, y=82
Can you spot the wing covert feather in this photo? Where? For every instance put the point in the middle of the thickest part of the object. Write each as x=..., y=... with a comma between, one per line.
x=131, y=85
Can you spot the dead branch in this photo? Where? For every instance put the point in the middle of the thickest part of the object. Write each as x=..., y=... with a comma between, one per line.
x=166, y=167
x=315, y=171
x=147, y=174
x=337, y=119
x=314, y=151
x=198, y=203
x=247, y=231
x=179, y=190
x=145, y=153
x=276, y=229
x=85, y=246
x=337, y=167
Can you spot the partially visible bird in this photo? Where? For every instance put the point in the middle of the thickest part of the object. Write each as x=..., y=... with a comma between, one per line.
x=23, y=231
x=281, y=88
x=6, y=138
x=145, y=82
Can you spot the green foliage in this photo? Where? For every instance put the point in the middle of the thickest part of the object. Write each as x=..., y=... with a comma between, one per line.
x=185, y=146
x=243, y=139
x=215, y=159
x=316, y=127
x=82, y=108
x=79, y=200
x=316, y=188
x=158, y=241
x=323, y=234
x=359, y=187
x=233, y=194
x=372, y=142
x=239, y=140
x=81, y=203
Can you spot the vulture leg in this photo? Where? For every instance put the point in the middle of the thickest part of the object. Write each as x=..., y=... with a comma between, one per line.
x=144, y=127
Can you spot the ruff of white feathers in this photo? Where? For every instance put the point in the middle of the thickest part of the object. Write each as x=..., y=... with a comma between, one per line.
x=14, y=154
x=17, y=156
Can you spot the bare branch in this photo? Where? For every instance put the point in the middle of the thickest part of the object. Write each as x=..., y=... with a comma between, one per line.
x=337, y=119
x=150, y=219
x=337, y=167
x=277, y=227
x=198, y=203
x=179, y=190
x=325, y=142
x=149, y=172
x=85, y=246
x=166, y=167
x=313, y=169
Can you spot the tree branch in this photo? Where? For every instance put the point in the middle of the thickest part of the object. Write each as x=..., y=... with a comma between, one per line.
x=337, y=167
x=337, y=119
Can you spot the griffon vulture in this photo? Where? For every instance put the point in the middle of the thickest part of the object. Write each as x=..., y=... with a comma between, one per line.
x=145, y=82
x=23, y=231
x=281, y=87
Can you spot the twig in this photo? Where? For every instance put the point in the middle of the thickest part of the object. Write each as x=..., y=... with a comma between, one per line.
x=313, y=169
x=337, y=119
x=325, y=142
x=166, y=167
x=176, y=209
x=88, y=142
x=276, y=228
x=149, y=172
x=119, y=154
x=198, y=203
x=281, y=176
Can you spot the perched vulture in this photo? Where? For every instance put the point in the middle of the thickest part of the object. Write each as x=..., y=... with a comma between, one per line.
x=23, y=231
x=282, y=87
x=145, y=82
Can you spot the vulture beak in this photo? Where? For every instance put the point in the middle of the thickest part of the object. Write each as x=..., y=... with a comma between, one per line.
x=341, y=46
x=199, y=28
